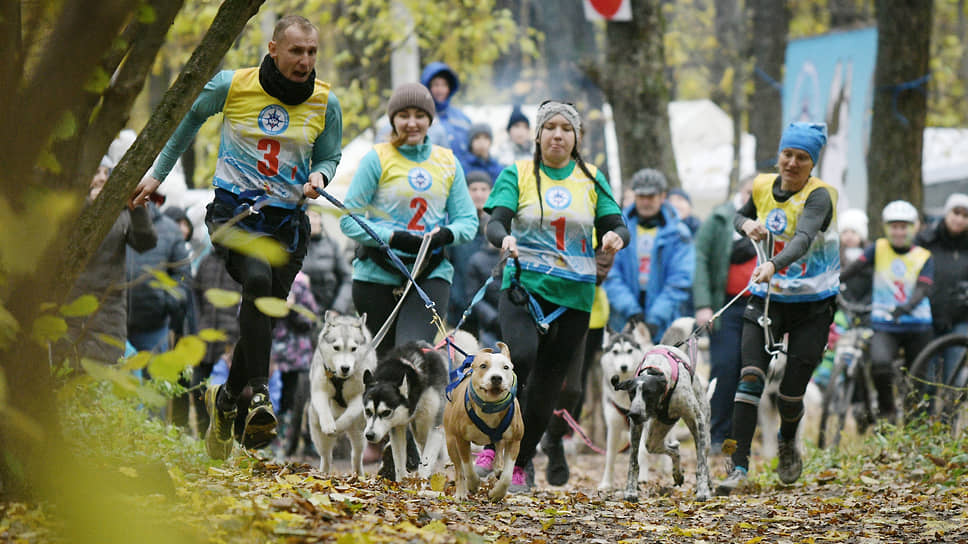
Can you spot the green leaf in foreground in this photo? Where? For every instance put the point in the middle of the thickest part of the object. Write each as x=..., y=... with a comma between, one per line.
x=48, y=328
x=254, y=245
x=83, y=305
x=212, y=335
x=222, y=298
x=272, y=306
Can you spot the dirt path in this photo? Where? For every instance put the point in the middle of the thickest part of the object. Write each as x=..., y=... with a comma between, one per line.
x=878, y=505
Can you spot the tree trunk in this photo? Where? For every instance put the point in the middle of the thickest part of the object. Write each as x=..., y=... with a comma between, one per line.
x=634, y=82
x=771, y=21
x=29, y=462
x=569, y=46
x=963, y=65
x=847, y=14
x=900, y=105
x=12, y=61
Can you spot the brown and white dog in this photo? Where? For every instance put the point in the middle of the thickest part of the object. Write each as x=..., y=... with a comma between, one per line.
x=665, y=389
x=483, y=409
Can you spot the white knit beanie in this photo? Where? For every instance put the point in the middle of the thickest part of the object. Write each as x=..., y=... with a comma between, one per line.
x=853, y=219
x=956, y=200
x=549, y=109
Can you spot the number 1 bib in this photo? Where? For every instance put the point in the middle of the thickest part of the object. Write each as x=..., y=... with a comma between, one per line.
x=560, y=242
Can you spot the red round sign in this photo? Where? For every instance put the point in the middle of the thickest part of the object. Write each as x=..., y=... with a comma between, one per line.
x=607, y=8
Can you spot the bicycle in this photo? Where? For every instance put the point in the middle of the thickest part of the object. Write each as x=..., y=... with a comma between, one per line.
x=937, y=395
x=849, y=378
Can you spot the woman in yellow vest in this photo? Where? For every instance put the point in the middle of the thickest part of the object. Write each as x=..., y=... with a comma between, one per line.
x=554, y=201
x=796, y=288
x=407, y=188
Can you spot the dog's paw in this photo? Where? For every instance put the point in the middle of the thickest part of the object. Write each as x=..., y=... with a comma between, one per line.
x=678, y=478
x=497, y=493
x=631, y=497
x=605, y=486
x=702, y=496
x=327, y=427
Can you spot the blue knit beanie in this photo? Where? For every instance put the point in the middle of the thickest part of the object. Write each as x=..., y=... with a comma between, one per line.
x=809, y=137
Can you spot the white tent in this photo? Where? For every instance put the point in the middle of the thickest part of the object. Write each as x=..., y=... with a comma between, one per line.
x=702, y=141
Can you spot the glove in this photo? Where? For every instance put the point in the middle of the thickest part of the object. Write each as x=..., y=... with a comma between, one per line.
x=441, y=238
x=603, y=263
x=898, y=312
x=404, y=241
x=635, y=319
x=653, y=331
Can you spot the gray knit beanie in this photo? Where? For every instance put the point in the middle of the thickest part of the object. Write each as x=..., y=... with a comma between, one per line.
x=549, y=109
x=411, y=95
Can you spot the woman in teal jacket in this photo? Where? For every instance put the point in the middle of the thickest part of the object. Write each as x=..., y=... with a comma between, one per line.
x=407, y=188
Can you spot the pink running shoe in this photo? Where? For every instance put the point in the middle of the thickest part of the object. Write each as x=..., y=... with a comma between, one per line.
x=520, y=481
x=484, y=464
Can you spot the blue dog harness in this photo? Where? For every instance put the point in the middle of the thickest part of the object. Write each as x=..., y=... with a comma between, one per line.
x=471, y=396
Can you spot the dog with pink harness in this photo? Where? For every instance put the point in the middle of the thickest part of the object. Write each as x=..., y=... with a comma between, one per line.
x=665, y=389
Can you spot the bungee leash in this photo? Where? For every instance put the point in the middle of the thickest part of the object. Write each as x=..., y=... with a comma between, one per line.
x=428, y=303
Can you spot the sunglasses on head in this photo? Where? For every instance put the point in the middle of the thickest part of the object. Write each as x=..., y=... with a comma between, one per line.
x=559, y=101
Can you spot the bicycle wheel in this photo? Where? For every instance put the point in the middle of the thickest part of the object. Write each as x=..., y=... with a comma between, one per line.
x=947, y=400
x=836, y=404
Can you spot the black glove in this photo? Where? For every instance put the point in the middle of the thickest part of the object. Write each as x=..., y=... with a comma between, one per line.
x=441, y=238
x=603, y=263
x=899, y=311
x=404, y=241
x=653, y=332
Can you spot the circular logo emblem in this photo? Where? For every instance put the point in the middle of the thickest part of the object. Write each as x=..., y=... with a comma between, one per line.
x=419, y=178
x=898, y=270
x=273, y=119
x=776, y=221
x=558, y=198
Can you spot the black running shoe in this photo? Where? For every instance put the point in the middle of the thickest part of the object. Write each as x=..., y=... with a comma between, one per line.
x=260, y=422
x=557, y=470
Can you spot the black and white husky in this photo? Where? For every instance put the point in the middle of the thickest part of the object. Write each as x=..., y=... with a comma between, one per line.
x=343, y=353
x=407, y=391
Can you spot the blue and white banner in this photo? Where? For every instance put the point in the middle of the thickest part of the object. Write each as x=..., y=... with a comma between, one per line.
x=829, y=79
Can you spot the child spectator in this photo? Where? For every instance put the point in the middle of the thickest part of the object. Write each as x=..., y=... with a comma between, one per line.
x=519, y=145
x=479, y=147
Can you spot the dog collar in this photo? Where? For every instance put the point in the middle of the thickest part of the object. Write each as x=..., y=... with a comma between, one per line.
x=495, y=406
x=493, y=434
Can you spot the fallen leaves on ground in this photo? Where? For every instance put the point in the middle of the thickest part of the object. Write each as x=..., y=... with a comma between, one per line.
x=249, y=499
x=900, y=487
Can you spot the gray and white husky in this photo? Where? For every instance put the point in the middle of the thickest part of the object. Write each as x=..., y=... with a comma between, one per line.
x=343, y=353
x=407, y=391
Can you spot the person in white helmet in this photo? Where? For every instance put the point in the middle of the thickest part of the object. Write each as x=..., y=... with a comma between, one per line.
x=902, y=275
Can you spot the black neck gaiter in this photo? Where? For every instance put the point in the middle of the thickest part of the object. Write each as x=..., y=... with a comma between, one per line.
x=277, y=85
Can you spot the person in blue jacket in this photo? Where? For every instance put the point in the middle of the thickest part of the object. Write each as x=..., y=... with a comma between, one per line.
x=651, y=279
x=443, y=83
